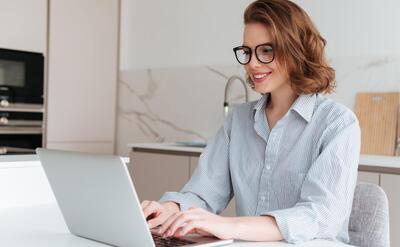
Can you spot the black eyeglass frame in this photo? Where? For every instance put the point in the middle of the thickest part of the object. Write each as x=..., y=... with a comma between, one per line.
x=255, y=52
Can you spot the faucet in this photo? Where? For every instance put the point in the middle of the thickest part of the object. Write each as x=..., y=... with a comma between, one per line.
x=227, y=86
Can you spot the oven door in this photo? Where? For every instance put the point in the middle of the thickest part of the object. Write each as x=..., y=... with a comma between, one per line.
x=20, y=119
x=21, y=76
x=22, y=143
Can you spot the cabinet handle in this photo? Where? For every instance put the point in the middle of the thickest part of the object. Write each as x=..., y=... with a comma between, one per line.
x=4, y=103
x=3, y=120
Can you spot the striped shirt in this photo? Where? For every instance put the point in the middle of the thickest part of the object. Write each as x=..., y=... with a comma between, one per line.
x=302, y=172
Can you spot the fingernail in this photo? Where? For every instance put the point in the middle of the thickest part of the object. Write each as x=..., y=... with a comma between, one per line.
x=149, y=224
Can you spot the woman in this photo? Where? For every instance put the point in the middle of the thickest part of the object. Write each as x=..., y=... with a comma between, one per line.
x=290, y=158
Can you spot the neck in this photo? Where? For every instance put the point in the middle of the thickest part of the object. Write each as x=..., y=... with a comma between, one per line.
x=281, y=100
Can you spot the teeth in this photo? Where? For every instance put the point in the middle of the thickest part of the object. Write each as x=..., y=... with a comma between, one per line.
x=260, y=76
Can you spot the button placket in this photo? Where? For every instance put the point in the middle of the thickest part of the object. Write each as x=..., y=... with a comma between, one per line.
x=271, y=155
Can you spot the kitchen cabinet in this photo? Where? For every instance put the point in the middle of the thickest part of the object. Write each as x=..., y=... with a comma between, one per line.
x=368, y=177
x=391, y=184
x=82, y=74
x=153, y=174
x=80, y=41
x=23, y=25
x=193, y=164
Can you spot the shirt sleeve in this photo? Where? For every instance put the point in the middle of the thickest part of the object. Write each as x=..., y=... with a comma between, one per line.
x=210, y=185
x=327, y=192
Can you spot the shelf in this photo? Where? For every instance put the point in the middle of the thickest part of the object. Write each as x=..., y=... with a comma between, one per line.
x=18, y=107
x=22, y=123
x=21, y=130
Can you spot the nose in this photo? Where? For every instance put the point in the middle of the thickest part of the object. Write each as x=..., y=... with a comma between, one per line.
x=254, y=63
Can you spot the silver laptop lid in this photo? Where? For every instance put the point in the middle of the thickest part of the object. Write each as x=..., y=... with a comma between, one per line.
x=97, y=197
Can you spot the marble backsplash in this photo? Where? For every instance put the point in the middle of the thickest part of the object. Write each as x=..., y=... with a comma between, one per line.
x=186, y=103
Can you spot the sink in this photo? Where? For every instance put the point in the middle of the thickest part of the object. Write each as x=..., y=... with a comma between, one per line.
x=198, y=144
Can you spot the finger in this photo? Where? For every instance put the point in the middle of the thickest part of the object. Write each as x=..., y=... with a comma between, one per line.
x=189, y=227
x=168, y=222
x=157, y=221
x=178, y=232
x=152, y=207
x=144, y=204
x=180, y=222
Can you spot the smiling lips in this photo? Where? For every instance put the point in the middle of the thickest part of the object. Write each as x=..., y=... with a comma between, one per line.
x=259, y=77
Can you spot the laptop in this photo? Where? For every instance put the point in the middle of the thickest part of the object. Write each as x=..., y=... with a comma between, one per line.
x=98, y=201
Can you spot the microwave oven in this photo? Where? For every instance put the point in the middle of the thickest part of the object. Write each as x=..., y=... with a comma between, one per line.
x=21, y=77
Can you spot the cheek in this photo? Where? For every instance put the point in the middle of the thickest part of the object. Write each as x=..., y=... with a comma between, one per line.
x=279, y=69
x=247, y=68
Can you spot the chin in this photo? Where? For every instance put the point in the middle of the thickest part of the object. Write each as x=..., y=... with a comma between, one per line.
x=262, y=89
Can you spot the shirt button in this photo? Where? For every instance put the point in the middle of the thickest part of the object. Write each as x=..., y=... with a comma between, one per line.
x=268, y=167
x=262, y=198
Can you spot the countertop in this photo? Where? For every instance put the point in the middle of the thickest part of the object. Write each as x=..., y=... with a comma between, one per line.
x=23, y=160
x=369, y=163
x=43, y=226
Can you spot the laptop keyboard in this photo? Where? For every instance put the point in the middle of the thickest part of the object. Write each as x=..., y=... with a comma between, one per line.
x=171, y=241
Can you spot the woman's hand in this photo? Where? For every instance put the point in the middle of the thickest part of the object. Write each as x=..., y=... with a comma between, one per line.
x=199, y=221
x=158, y=212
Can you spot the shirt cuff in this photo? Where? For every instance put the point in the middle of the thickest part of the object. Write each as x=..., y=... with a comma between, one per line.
x=185, y=200
x=295, y=225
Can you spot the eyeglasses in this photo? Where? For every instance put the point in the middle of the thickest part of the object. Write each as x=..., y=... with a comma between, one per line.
x=264, y=53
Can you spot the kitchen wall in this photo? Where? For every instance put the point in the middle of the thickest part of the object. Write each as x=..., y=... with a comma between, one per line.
x=175, y=61
x=189, y=32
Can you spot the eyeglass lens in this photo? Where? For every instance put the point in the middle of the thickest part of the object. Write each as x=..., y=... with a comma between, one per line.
x=264, y=54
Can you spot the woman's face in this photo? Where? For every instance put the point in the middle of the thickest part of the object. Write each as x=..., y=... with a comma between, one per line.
x=266, y=77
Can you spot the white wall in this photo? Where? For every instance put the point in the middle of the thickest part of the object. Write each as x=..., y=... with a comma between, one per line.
x=23, y=25
x=179, y=32
x=191, y=32
x=357, y=27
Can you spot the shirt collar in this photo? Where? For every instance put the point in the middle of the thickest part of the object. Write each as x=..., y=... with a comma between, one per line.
x=259, y=107
x=303, y=105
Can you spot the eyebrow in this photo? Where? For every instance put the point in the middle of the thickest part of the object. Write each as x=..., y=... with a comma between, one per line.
x=268, y=43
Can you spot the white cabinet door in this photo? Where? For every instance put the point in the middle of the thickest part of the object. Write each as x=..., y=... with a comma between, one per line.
x=82, y=72
x=154, y=174
x=368, y=177
x=230, y=210
x=391, y=184
x=23, y=25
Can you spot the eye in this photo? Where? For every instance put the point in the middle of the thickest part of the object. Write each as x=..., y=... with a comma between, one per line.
x=267, y=50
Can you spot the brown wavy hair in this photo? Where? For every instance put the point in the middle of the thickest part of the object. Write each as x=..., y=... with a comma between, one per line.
x=298, y=45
